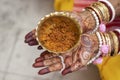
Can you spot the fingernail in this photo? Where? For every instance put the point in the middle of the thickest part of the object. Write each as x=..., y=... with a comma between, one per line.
x=38, y=64
x=66, y=71
x=44, y=71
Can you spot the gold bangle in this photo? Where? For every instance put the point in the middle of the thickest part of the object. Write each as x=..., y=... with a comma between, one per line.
x=106, y=41
x=111, y=41
x=116, y=44
x=96, y=11
x=100, y=11
x=103, y=39
x=104, y=10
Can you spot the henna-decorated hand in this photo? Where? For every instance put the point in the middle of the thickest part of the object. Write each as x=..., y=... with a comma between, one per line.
x=75, y=60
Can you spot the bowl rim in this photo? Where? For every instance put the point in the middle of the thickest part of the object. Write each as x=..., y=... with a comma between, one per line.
x=63, y=14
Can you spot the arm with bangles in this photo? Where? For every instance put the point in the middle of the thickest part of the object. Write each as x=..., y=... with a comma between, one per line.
x=79, y=57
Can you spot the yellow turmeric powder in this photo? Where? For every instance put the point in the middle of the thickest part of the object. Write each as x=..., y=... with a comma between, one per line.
x=58, y=34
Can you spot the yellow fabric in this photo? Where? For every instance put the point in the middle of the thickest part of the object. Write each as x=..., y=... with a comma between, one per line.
x=110, y=67
x=66, y=5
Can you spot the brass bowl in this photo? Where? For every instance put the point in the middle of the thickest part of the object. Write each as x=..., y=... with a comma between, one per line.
x=48, y=22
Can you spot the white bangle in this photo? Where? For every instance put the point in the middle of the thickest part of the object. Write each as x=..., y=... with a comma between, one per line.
x=119, y=53
x=111, y=7
x=99, y=52
x=97, y=21
x=63, y=64
x=118, y=30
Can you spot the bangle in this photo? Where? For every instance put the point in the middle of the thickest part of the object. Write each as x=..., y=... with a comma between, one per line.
x=63, y=64
x=115, y=40
x=96, y=11
x=105, y=48
x=108, y=43
x=103, y=38
x=118, y=34
x=111, y=7
x=104, y=44
x=101, y=10
x=118, y=30
x=105, y=11
x=112, y=44
x=99, y=51
x=96, y=19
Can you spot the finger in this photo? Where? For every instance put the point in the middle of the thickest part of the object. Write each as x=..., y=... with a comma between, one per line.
x=30, y=34
x=30, y=39
x=68, y=61
x=43, y=56
x=67, y=70
x=45, y=53
x=54, y=67
x=47, y=62
x=72, y=68
x=39, y=59
x=38, y=64
x=75, y=55
x=44, y=71
x=32, y=43
x=39, y=47
x=48, y=55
